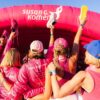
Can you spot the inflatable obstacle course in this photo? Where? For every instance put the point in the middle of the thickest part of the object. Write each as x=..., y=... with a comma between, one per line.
x=32, y=20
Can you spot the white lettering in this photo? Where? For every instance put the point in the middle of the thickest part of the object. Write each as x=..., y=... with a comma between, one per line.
x=36, y=14
x=45, y=12
x=37, y=17
x=33, y=14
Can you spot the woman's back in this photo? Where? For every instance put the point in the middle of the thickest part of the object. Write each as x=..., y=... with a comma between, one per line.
x=95, y=93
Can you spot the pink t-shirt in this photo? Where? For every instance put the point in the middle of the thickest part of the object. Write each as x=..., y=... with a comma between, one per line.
x=95, y=94
x=31, y=78
x=10, y=75
x=67, y=76
x=3, y=50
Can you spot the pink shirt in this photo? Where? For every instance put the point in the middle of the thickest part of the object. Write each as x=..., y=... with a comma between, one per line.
x=67, y=76
x=31, y=78
x=95, y=94
x=10, y=75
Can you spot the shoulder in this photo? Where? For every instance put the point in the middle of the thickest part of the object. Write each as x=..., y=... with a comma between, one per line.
x=80, y=75
x=50, y=64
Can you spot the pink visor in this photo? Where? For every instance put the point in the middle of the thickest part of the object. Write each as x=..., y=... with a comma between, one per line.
x=61, y=41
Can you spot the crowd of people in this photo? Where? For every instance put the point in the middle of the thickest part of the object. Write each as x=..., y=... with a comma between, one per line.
x=50, y=76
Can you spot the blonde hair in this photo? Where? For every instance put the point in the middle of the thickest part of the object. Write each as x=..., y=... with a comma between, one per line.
x=11, y=58
x=95, y=61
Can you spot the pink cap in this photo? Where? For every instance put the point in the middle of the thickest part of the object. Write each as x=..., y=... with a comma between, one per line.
x=36, y=45
x=61, y=41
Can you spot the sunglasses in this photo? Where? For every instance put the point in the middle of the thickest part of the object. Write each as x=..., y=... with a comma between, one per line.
x=60, y=52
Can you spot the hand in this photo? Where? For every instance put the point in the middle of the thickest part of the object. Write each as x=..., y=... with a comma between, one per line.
x=51, y=67
x=12, y=35
x=55, y=61
x=83, y=21
x=14, y=24
x=51, y=26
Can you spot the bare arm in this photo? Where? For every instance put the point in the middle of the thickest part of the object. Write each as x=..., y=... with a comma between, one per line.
x=69, y=87
x=51, y=36
x=47, y=92
x=75, y=48
x=9, y=42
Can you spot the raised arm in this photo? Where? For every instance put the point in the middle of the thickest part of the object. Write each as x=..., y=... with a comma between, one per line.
x=13, y=34
x=9, y=42
x=51, y=36
x=49, y=54
x=75, y=48
x=69, y=87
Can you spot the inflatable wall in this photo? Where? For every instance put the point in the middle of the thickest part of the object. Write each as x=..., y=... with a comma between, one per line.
x=32, y=21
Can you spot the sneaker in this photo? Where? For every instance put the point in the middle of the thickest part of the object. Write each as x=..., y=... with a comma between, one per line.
x=52, y=20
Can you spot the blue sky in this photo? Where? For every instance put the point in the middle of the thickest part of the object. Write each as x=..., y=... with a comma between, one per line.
x=93, y=5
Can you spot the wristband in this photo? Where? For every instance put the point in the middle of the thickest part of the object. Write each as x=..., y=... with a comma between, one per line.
x=52, y=72
x=51, y=34
x=82, y=25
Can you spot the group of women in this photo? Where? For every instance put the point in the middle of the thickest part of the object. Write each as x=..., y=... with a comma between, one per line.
x=48, y=76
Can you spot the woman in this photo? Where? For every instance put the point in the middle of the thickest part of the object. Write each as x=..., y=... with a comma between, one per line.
x=88, y=80
x=9, y=69
x=65, y=67
x=30, y=55
x=6, y=41
x=31, y=76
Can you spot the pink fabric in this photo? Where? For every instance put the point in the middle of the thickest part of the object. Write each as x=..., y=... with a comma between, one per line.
x=60, y=41
x=5, y=34
x=95, y=94
x=61, y=58
x=36, y=45
x=11, y=76
x=66, y=26
x=31, y=78
x=3, y=50
x=14, y=24
x=66, y=77
x=65, y=64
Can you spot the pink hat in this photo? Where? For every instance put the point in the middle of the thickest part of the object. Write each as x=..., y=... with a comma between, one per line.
x=36, y=45
x=5, y=34
x=61, y=41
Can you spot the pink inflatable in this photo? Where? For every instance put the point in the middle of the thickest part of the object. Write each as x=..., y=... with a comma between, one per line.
x=32, y=21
